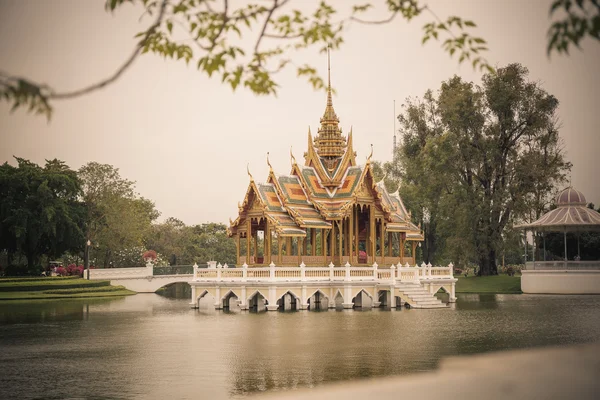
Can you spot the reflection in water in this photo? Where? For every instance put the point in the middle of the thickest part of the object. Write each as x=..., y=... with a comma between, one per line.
x=148, y=346
x=177, y=290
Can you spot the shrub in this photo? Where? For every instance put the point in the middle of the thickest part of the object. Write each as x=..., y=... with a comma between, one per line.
x=61, y=271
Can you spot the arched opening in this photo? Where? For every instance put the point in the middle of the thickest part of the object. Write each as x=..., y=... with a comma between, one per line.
x=384, y=298
x=339, y=301
x=443, y=294
x=288, y=302
x=230, y=301
x=206, y=301
x=362, y=301
x=257, y=302
x=318, y=301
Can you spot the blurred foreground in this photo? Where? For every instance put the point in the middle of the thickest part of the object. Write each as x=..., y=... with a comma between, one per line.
x=571, y=372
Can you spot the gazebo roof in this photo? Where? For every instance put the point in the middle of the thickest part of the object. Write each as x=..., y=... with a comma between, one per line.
x=571, y=215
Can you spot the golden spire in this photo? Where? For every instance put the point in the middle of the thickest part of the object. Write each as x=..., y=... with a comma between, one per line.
x=370, y=155
x=329, y=141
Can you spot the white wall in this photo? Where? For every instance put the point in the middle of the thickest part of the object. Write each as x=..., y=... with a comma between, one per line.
x=561, y=282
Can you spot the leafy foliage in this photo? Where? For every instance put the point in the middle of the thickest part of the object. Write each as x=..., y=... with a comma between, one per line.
x=477, y=159
x=581, y=19
x=117, y=218
x=40, y=211
x=209, y=34
x=186, y=245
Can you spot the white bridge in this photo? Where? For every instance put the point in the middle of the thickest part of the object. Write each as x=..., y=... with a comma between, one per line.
x=138, y=279
x=300, y=288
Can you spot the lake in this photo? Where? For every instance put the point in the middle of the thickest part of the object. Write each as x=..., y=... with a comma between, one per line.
x=153, y=347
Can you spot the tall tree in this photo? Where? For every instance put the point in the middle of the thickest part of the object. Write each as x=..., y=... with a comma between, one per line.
x=40, y=211
x=117, y=217
x=476, y=156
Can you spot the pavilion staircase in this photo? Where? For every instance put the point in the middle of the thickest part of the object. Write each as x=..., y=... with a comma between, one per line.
x=417, y=297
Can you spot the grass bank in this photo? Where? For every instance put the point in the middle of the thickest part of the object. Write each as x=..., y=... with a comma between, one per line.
x=500, y=284
x=57, y=288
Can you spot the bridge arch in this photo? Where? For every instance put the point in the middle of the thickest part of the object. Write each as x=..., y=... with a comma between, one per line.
x=150, y=284
x=318, y=300
x=257, y=301
x=362, y=299
x=205, y=300
x=228, y=297
x=338, y=299
x=291, y=303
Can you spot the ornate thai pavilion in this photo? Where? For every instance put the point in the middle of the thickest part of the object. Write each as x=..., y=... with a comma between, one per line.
x=329, y=210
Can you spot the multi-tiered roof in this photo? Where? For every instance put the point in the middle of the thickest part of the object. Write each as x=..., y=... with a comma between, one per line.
x=325, y=188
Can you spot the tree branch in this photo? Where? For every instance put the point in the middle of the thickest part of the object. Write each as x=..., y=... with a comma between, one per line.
x=124, y=67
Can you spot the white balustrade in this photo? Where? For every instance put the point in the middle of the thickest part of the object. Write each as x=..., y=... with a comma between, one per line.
x=348, y=273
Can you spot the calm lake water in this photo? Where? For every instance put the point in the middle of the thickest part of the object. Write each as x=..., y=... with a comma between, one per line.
x=152, y=347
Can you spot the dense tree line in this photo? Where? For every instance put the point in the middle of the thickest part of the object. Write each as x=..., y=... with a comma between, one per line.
x=51, y=213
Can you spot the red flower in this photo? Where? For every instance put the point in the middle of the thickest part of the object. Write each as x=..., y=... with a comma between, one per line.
x=149, y=255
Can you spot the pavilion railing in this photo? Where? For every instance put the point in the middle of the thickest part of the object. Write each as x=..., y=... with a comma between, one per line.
x=562, y=265
x=309, y=260
x=274, y=273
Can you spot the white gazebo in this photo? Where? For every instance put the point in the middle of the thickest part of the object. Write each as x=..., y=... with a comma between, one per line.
x=566, y=276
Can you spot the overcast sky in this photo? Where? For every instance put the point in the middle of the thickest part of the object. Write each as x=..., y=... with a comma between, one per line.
x=186, y=139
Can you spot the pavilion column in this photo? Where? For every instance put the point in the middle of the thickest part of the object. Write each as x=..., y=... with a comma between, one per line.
x=279, y=249
x=332, y=240
x=544, y=241
x=305, y=245
x=237, y=250
x=356, y=231
x=401, y=245
x=390, y=246
x=525, y=247
x=345, y=237
x=373, y=244
x=267, y=241
x=300, y=242
x=255, y=246
x=340, y=235
x=565, y=236
x=248, y=236
x=382, y=239
x=534, y=248
x=414, y=251
x=351, y=237
x=313, y=241
x=324, y=246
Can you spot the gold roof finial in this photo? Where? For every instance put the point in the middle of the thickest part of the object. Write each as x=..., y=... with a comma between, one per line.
x=248, y=170
x=329, y=100
x=370, y=155
x=329, y=141
x=292, y=158
x=268, y=162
